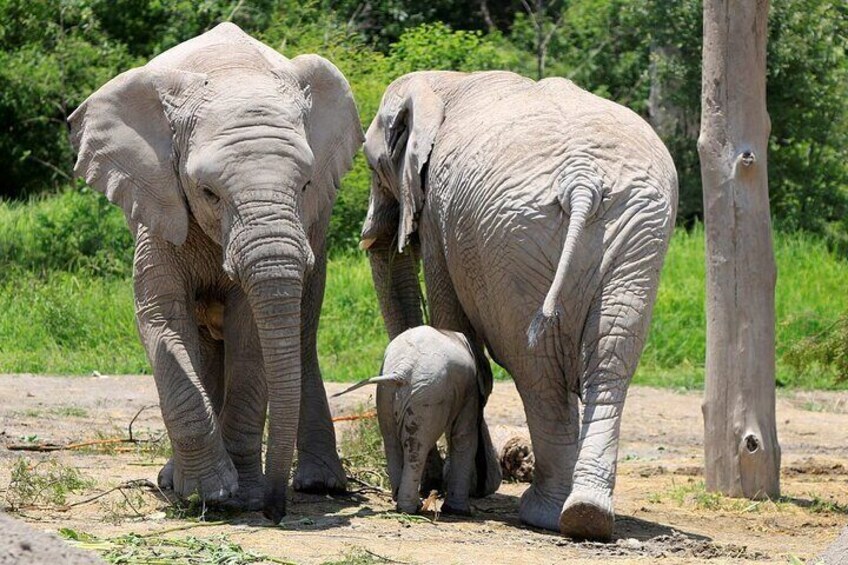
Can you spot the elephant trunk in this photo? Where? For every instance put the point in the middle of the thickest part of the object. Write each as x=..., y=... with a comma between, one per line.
x=396, y=280
x=268, y=255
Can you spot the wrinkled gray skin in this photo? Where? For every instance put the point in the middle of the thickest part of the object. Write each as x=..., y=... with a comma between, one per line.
x=431, y=385
x=542, y=215
x=225, y=157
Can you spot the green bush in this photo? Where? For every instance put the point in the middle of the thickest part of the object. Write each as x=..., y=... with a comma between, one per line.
x=53, y=56
x=436, y=47
x=76, y=231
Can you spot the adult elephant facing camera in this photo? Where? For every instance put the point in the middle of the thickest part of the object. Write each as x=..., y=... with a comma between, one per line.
x=225, y=157
x=542, y=215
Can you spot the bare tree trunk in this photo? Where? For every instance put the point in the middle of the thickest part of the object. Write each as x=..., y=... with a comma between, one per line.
x=487, y=16
x=740, y=443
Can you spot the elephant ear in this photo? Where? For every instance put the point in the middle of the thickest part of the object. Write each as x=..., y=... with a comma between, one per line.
x=398, y=146
x=333, y=129
x=124, y=143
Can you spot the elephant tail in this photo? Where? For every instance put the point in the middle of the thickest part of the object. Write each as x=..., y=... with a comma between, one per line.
x=393, y=378
x=580, y=196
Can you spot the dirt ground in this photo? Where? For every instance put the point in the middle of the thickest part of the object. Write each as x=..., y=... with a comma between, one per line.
x=662, y=510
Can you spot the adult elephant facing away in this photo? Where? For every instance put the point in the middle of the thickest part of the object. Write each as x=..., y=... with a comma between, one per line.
x=542, y=215
x=225, y=157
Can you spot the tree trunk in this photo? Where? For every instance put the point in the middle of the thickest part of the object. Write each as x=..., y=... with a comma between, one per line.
x=740, y=439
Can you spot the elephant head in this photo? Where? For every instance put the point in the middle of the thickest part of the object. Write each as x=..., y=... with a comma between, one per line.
x=247, y=154
x=398, y=146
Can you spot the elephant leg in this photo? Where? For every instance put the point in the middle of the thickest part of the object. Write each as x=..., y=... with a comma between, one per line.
x=614, y=336
x=212, y=369
x=445, y=313
x=212, y=377
x=319, y=468
x=415, y=451
x=553, y=419
x=391, y=440
x=170, y=335
x=462, y=449
x=245, y=405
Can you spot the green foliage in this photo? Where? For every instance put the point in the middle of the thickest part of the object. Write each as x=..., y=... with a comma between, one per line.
x=75, y=231
x=152, y=26
x=808, y=104
x=158, y=548
x=68, y=323
x=72, y=253
x=44, y=482
x=809, y=298
x=824, y=352
x=53, y=55
x=362, y=451
x=437, y=47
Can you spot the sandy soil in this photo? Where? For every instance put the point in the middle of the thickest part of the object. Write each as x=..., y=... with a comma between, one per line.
x=660, y=512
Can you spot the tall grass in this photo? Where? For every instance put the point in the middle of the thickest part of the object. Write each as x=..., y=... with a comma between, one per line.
x=65, y=323
x=810, y=296
x=66, y=300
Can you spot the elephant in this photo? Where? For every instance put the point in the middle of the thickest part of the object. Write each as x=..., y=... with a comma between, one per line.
x=226, y=157
x=433, y=383
x=541, y=214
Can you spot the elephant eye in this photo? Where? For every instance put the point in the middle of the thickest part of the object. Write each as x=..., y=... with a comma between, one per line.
x=210, y=195
x=305, y=186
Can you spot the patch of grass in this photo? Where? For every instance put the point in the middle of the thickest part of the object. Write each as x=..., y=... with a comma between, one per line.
x=694, y=494
x=360, y=556
x=809, y=298
x=351, y=337
x=68, y=324
x=154, y=549
x=61, y=412
x=70, y=412
x=813, y=406
x=362, y=451
x=47, y=482
x=818, y=505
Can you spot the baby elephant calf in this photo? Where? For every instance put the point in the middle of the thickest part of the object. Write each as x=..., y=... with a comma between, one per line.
x=433, y=383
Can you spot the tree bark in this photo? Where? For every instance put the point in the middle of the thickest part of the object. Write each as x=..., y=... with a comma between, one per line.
x=740, y=439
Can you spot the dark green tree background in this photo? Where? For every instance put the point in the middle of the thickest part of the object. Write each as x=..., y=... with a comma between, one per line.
x=642, y=53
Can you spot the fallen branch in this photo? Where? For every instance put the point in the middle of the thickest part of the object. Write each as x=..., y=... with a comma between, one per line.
x=47, y=447
x=363, y=416
x=135, y=483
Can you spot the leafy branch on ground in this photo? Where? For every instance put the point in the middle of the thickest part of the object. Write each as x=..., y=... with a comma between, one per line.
x=46, y=482
x=155, y=549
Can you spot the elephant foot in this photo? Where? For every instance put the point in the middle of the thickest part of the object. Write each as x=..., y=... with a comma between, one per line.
x=539, y=509
x=249, y=498
x=214, y=485
x=409, y=506
x=315, y=475
x=456, y=508
x=587, y=515
x=165, y=480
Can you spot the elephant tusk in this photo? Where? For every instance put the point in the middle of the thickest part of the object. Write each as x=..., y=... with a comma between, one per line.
x=366, y=243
